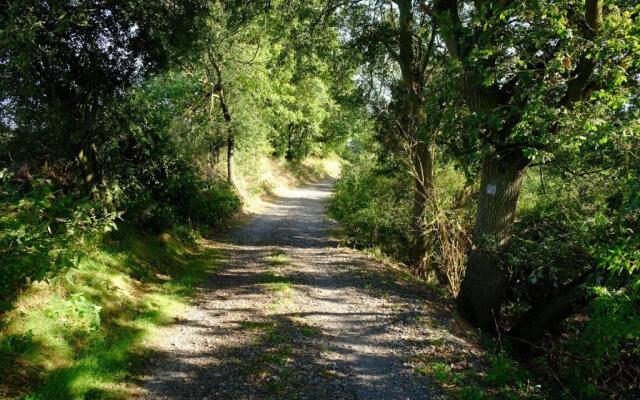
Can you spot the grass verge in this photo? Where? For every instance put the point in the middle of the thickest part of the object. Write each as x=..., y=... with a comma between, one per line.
x=82, y=334
x=481, y=376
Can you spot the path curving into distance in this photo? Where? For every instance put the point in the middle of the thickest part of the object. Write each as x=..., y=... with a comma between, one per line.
x=290, y=315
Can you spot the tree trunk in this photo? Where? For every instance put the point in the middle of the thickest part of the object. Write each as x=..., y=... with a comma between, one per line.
x=412, y=67
x=89, y=167
x=230, y=136
x=423, y=159
x=230, y=157
x=289, y=154
x=226, y=114
x=483, y=285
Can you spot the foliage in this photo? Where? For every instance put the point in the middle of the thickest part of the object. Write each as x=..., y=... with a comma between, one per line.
x=83, y=334
x=65, y=62
x=40, y=228
x=111, y=110
x=610, y=340
x=112, y=101
x=570, y=226
x=374, y=207
x=501, y=378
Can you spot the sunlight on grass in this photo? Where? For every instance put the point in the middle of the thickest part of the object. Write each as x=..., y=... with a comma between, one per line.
x=279, y=286
x=314, y=169
x=262, y=177
x=279, y=259
x=501, y=378
x=273, y=280
x=82, y=334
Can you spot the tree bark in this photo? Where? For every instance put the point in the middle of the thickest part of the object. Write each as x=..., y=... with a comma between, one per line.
x=482, y=288
x=230, y=157
x=89, y=168
x=587, y=64
x=289, y=154
x=423, y=160
x=534, y=323
x=483, y=285
x=422, y=150
x=226, y=114
x=230, y=136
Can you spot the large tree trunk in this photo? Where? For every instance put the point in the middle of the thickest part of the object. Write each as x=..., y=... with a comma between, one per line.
x=482, y=288
x=412, y=67
x=484, y=282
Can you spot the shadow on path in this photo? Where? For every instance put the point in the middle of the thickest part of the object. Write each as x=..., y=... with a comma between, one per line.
x=291, y=315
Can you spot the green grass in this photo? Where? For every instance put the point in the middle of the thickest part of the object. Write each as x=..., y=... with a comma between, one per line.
x=279, y=286
x=308, y=330
x=271, y=279
x=83, y=334
x=279, y=259
x=275, y=282
x=502, y=378
x=441, y=372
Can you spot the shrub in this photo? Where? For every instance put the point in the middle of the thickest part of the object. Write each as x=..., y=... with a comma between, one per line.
x=186, y=199
x=39, y=226
x=157, y=185
x=374, y=208
x=564, y=231
x=202, y=204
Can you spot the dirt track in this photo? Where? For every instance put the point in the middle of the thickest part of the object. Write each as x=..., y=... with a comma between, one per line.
x=292, y=315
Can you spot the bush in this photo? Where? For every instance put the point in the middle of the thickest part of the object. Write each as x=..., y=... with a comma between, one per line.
x=374, y=208
x=157, y=185
x=608, y=344
x=39, y=226
x=202, y=204
x=186, y=199
x=564, y=231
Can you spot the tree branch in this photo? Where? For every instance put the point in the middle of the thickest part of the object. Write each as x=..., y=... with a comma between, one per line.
x=445, y=13
x=586, y=65
x=426, y=57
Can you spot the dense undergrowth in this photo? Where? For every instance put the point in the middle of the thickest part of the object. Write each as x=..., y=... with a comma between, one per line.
x=566, y=227
x=113, y=164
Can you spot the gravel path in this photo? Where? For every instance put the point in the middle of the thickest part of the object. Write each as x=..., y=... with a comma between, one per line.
x=293, y=316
